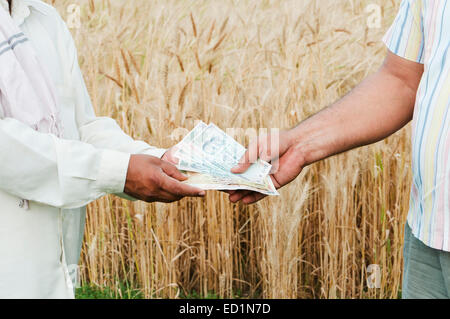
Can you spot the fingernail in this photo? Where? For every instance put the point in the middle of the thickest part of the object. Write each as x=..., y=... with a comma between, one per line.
x=203, y=193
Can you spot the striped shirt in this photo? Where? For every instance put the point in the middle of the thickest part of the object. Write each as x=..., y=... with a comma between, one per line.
x=421, y=33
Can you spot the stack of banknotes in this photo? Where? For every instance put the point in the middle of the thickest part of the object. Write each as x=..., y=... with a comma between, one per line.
x=207, y=154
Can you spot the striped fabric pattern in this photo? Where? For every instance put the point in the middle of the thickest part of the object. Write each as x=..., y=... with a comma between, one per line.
x=12, y=42
x=421, y=33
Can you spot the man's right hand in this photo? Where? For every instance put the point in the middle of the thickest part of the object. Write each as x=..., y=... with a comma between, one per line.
x=153, y=180
x=286, y=157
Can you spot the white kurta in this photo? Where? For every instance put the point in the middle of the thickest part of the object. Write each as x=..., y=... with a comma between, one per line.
x=39, y=246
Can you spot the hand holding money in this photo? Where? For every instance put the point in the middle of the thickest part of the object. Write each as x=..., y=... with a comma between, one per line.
x=207, y=155
x=287, y=158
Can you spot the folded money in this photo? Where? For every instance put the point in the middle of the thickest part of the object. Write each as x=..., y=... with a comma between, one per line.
x=209, y=154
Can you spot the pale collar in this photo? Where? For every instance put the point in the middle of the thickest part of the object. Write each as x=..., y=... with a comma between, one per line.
x=19, y=11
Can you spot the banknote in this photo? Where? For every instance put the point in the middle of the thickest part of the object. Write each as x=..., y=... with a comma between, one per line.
x=208, y=182
x=198, y=129
x=192, y=158
x=209, y=154
x=221, y=148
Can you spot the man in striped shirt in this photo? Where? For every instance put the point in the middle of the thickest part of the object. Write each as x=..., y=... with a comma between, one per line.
x=413, y=83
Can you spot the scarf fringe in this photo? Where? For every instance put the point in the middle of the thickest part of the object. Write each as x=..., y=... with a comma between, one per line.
x=51, y=124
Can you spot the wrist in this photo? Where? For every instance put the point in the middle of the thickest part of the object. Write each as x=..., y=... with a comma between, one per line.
x=299, y=144
x=292, y=137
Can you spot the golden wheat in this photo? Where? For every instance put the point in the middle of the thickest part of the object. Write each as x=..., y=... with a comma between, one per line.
x=159, y=65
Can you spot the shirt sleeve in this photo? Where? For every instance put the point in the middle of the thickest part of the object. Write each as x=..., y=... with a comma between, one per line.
x=405, y=37
x=101, y=132
x=61, y=173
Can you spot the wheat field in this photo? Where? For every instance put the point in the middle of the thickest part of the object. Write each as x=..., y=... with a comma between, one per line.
x=156, y=66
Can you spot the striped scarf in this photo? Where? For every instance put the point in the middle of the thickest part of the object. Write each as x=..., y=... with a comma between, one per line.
x=27, y=93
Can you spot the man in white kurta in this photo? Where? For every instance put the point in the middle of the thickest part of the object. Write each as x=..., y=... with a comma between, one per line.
x=39, y=245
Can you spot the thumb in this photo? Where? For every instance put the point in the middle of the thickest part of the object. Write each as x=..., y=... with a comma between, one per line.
x=290, y=165
x=250, y=157
x=241, y=168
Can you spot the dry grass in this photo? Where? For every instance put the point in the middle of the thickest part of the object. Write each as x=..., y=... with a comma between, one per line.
x=159, y=65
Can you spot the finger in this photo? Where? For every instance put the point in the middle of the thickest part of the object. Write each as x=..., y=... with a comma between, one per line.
x=169, y=156
x=250, y=157
x=176, y=188
x=236, y=197
x=173, y=172
x=171, y=159
x=167, y=197
x=161, y=197
x=265, y=153
x=275, y=166
x=265, y=156
x=253, y=198
x=272, y=147
x=244, y=164
x=290, y=166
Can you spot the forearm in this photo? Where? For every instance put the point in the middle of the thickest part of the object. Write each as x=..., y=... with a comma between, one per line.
x=105, y=133
x=377, y=108
x=61, y=173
